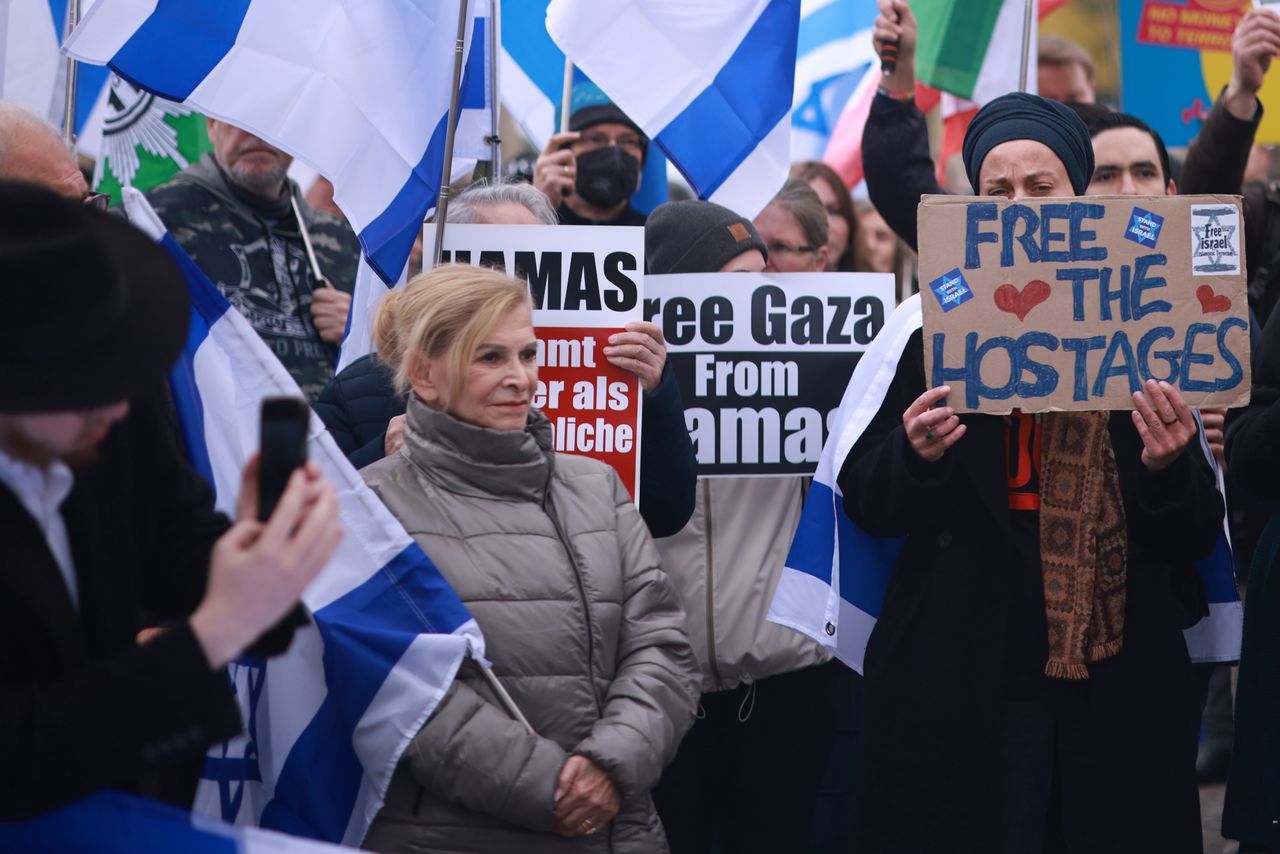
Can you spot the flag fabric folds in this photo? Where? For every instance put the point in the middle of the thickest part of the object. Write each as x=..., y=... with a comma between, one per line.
x=973, y=50
x=837, y=72
x=836, y=574
x=112, y=822
x=711, y=83
x=32, y=72
x=327, y=722
x=359, y=91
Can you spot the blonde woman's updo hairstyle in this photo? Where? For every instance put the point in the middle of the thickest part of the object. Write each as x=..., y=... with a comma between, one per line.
x=454, y=306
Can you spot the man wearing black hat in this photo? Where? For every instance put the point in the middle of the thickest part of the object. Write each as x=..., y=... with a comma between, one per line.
x=101, y=519
x=590, y=171
x=1026, y=691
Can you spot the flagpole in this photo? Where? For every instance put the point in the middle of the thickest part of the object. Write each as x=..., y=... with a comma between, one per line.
x=503, y=697
x=495, y=104
x=306, y=239
x=566, y=96
x=69, y=109
x=1028, y=10
x=446, y=173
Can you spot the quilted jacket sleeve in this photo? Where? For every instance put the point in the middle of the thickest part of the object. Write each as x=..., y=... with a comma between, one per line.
x=471, y=753
x=650, y=704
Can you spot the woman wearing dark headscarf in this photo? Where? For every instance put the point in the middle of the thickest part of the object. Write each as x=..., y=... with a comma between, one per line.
x=997, y=720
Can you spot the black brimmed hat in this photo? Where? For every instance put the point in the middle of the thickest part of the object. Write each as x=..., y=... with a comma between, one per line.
x=95, y=312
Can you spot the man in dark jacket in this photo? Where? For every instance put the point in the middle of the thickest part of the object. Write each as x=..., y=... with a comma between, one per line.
x=237, y=214
x=1217, y=156
x=366, y=417
x=101, y=518
x=590, y=171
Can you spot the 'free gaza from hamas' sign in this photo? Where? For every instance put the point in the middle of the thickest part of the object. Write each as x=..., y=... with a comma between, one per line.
x=762, y=360
x=1072, y=304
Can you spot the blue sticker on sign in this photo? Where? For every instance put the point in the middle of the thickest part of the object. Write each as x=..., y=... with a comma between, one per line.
x=951, y=289
x=1144, y=227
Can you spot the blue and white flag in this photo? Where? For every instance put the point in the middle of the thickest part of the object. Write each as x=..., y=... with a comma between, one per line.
x=328, y=721
x=358, y=90
x=836, y=574
x=834, y=54
x=32, y=71
x=112, y=822
x=711, y=83
x=532, y=70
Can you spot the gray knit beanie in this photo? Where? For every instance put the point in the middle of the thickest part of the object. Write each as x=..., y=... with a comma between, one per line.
x=696, y=237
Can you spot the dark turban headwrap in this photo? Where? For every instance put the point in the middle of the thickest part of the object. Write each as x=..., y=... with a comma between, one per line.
x=1022, y=116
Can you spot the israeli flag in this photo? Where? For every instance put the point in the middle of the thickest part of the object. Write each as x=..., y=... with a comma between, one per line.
x=711, y=83
x=360, y=91
x=32, y=72
x=834, y=56
x=113, y=822
x=836, y=574
x=327, y=722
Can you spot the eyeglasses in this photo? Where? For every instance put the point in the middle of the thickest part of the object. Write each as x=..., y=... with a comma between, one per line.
x=777, y=247
x=598, y=139
x=97, y=201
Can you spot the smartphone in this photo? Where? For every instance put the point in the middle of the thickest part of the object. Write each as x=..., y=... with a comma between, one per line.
x=282, y=444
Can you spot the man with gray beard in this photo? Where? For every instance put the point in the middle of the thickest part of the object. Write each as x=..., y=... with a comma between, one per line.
x=234, y=212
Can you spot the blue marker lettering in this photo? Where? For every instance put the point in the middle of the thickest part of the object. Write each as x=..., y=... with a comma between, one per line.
x=975, y=215
x=1143, y=282
x=1008, y=222
x=1191, y=357
x=1081, y=347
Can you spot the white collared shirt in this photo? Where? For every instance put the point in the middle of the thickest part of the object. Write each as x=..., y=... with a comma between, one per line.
x=42, y=491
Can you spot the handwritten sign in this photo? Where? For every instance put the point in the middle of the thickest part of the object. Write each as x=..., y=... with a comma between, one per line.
x=1070, y=304
x=586, y=283
x=763, y=359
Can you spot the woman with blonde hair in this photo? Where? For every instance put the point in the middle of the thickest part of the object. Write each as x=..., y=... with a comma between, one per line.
x=549, y=554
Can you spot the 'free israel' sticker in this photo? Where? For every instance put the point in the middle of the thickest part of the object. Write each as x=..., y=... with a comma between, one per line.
x=1215, y=240
x=1144, y=227
x=951, y=289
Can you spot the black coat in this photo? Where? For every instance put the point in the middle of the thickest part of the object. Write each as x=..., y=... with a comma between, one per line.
x=935, y=662
x=1251, y=812
x=83, y=706
x=357, y=404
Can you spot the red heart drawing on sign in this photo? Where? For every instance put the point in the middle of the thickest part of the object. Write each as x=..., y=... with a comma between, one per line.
x=1010, y=299
x=1211, y=303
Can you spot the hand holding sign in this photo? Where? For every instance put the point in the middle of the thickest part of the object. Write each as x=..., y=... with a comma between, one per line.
x=931, y=431
x=1164, y=422
x=640, y=350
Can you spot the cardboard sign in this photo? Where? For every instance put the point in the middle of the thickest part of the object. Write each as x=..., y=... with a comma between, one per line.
x=1068, y=304
x=586, y=284
x=763, y=359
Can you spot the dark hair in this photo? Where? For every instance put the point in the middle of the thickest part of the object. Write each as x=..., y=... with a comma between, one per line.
x=811, y=170
x=1099, y=119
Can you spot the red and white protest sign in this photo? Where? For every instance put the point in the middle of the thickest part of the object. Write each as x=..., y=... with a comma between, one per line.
x=586, y=284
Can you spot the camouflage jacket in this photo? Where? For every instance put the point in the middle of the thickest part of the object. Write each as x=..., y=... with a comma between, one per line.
x=259, y=261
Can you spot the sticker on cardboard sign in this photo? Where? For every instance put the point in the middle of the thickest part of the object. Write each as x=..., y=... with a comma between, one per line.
x=1144, y=227
x=951, y=289
x=1215, y=240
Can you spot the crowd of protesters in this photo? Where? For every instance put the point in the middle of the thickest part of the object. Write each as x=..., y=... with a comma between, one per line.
x=661, y=710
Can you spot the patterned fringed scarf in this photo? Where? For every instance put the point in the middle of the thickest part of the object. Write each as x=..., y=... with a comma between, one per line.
x=1083, y=542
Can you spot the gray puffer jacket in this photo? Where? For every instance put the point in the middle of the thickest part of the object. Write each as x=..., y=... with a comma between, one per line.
x=583, y=628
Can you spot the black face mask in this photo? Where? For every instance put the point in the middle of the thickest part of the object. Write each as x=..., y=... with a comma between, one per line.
x=606, y=176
